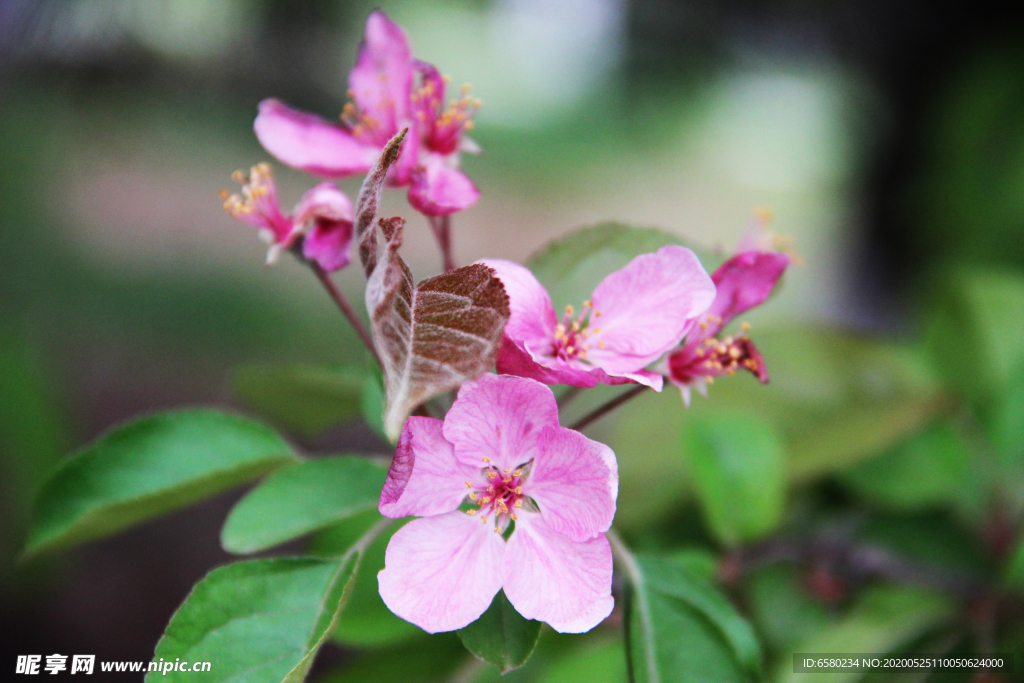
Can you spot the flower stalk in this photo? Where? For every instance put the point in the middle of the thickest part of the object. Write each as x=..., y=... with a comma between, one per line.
x=346, y=308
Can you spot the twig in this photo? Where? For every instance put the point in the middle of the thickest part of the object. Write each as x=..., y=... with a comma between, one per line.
x=442, y=227
x=606, y=408
x=568, y=396
x=345, y=307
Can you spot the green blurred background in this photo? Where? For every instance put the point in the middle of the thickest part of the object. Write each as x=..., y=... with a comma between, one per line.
x=887, y=138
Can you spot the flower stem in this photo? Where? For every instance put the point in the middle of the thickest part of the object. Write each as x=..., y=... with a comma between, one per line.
x=345, y=308
x=442, y=227
x=608, y=407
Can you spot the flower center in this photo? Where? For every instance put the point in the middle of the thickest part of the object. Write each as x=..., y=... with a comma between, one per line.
x=502, y=497
x=572, y=337
x=717, y=357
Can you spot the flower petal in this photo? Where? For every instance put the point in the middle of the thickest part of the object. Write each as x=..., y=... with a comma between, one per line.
x=745, y=281
x=441, y=573
x=323, y=201
x=381, y=81
x=532, y=316
x=440, y=190
x=499, y=418
x=425, y=477
x=575, y=481
x=309, y=143
x=328, y=244
x=647, y=307
x=551, y=578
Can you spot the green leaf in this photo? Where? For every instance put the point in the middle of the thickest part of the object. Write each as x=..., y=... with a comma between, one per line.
x=148, y=467
x=300, y=499
x=262, y=621
x=427, y=659
x=783, y=611
x=933, y=467
x=367, y=622
x=373, y=402
x=572, y=266
x=884, y=619
x=975, y=330
x=501, y=636
x=1015, y=568
x=1006, y=433
x=594, y=663
x=304, y=399
x=681, y=628
x=739, y=473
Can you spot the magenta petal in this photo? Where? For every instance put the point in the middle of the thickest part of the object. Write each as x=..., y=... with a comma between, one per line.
x=381, y=81
x=745, y=281
x=496, y=419
x=551, y=578
x=575, y=481
x=441, y=573
x=439, y=190
x=514, y=360
x=309, y=143
x=532, y=317
x=647, y=307
x=328, y=244
x=425, y=477
x=323, y=201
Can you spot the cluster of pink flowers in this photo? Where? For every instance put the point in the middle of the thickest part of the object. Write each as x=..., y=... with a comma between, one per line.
x=507, y=499
x=390, y=91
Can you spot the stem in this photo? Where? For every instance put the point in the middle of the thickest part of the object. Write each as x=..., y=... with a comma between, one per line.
x=442, y=227
x=622, y=555
x=568, y=396
x=624, y=558
x=346, y=308
x=608, y=407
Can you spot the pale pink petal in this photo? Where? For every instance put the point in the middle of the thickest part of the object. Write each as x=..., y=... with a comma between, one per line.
x=575, y=481
x=381, y=81
x=745, y=281
x=514, y=360
x=441, y=573
x=551, y=578
x=499, y=417
x=309, y=143
x=425, y=477
x=532, y=317
x=323, y=201
x=647, y=307
x=439, y=190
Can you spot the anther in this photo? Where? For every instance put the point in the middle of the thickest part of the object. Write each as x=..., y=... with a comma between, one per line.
x=485, y=459
x=519, y=489
x=514, y=518
x=518, y=473
x=472, y=495
x=470, y=512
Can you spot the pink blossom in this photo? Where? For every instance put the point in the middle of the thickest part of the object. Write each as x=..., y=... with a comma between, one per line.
x=500, y=448
x=742, y=282
x=321, y=221
x=390, y=91
x=633, y=317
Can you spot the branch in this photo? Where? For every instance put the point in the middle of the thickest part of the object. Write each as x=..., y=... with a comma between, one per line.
x=608, y=407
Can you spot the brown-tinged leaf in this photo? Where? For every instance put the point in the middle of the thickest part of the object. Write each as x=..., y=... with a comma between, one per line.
x=434, y=336
x=368, y=201
x=431, y=337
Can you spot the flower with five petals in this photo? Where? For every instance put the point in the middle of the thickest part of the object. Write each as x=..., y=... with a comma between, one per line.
x=633, y=317
x=390, y=91
x=501, y=449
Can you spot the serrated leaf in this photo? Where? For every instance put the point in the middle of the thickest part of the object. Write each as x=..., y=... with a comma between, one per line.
x=670, y=635
x=262, y=621
x=739, y=473
x=304, y=399
x=430, y=337
x=571, y=266
x=501, y=636
x=302, y=498
x=147, y=467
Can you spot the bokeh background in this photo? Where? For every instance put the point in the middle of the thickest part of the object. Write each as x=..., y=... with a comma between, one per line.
x=887, y=137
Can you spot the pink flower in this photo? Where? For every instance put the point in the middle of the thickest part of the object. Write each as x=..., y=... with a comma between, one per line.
x=391, y=91
x=742, y=282
x=500, y=448
x=633, y=317
x=321, y=221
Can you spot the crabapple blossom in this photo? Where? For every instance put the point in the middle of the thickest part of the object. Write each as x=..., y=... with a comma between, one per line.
x=390, y=91
x=321, y=221
x=633, y=317
x=500, y=448
x=742, y=282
